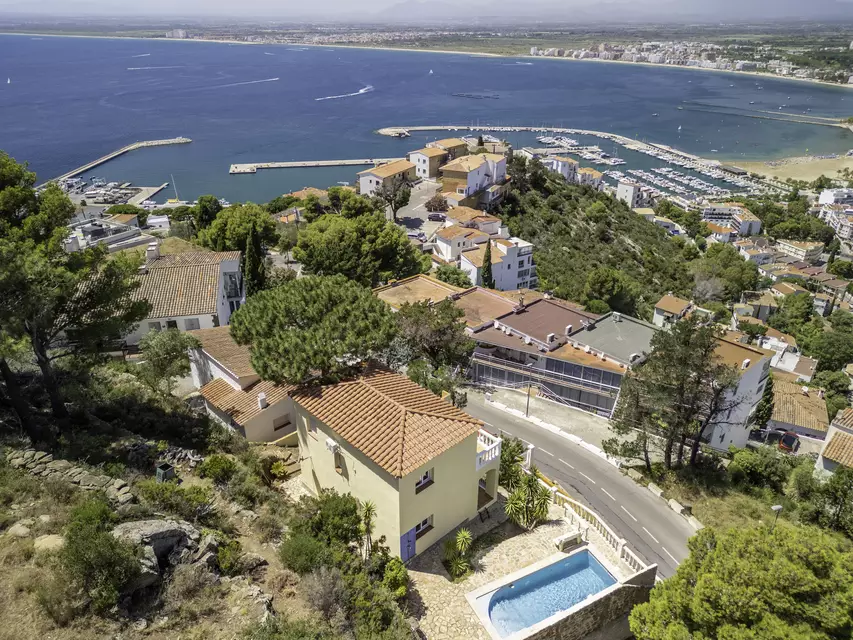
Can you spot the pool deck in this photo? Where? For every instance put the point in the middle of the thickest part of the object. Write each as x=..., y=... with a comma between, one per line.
x=441, y=607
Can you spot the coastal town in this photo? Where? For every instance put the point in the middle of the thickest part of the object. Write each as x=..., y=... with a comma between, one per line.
x=491, y=378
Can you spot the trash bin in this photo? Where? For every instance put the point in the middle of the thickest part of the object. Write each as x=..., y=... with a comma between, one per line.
x=165, y=472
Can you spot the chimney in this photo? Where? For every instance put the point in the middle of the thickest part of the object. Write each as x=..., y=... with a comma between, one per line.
x=568, y=329
x=152, y=252
x=143, y=269
x=805, y=390
x=262, y=400
x=550, y=338
x=745, y=364
x=617, y=317
x=521, y=301
x=547, y=295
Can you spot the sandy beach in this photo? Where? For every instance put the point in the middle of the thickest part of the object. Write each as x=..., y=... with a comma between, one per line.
x=799, y=168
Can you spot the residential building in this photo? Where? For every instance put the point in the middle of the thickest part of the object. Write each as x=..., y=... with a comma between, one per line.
x=837, y=448
x=669, y=310
x=661, y=221
x=116, y=234
x=719, y=233
x=454, y=147
x=565, y=166
x=476, y=219
x=234, y=394
x=475, y=180
x=799, y=409
x=746, y=223
x=836, y=196
x=732, y=214
x=568, y=355
x=631, y=193
x=512, y=264
x=129, y=219
x=589, y=177
x=426, y=465
x=840, y=218
x=194, y=290
x=763, y=303
x=371, y=180
x=751, y=253
x=801, y=368
x=805, y=251
x=781, y=289
x=822, y=304
x=451, y=241
x=427, y=161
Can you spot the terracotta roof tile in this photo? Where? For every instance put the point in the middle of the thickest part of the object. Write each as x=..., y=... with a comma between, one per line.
x=454, y=231
x=219, y=345
x=390, y=169
x=844, y=419
x=194, y=258
x=791, y=406
x=840, y=448
x=390, y=419
x=672, y=304
x=242, y=405
x=430, y=152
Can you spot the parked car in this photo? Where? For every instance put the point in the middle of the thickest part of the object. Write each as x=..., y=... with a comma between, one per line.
x=436, y=217
x=785, y=440
x=417, y=235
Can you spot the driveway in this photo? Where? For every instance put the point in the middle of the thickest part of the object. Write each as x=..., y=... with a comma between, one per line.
x=413, y=217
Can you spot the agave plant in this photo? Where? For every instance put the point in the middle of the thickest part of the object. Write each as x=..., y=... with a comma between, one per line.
x=456, y=552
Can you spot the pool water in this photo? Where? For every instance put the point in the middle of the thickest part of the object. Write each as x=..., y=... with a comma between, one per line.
x=549, y=590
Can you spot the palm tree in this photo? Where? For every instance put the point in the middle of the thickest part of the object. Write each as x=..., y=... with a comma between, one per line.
x=368, y=514
x=456, y=551
x=528, y=504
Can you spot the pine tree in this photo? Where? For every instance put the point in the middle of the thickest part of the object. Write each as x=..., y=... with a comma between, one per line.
x=764, y=410
x=254, y=270
x=488, y=279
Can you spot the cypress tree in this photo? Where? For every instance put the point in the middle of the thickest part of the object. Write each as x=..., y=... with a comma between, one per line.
x=254, y=270
x=488, y=278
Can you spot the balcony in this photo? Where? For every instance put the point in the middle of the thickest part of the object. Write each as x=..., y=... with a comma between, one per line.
x=488, y=448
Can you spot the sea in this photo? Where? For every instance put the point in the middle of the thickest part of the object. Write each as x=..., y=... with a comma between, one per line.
x=65, y=101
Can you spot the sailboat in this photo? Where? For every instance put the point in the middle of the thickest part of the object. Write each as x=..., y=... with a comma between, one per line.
x=430, y=72
x=8, y=80
x=175, y=202
x=679, y=127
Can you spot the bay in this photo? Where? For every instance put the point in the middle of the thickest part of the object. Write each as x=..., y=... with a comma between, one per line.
x=72, y=100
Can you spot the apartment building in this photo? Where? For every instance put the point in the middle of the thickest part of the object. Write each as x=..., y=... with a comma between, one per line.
x=451, y=241
x=837, y=449
x=836, y=196
x=805, y=251
x=512, y=264
x=840, y=218
x=589, y=177
x=752, y=252
x=194, y=290
x=633, y=194
x=426, y=465
x=565, y=166
x=234, y=394
x=371, y=180
x=474, y=180
x=427, y=161
x=733, y=214
x=454, y=147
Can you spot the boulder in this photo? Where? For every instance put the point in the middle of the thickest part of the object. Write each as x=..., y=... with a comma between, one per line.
x=19, y=530
x=59, y=465
x=149, y=571
x=251, y=562
x=161, y=535
x=44, y=518
x=17, y=463
x=209, y=561
x=89, y=481
x=42, y=456
x=48, y=544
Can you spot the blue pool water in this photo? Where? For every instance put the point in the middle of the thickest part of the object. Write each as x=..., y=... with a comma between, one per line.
x=541, y=594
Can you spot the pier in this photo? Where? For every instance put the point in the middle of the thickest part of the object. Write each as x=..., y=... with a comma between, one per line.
x=117, y=153
x=146, y=193
x=253, y=167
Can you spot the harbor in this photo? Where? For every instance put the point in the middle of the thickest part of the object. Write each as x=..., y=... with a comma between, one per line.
x=252, y=167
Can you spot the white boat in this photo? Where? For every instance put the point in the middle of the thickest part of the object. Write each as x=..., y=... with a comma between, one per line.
x=430, y=72
x=8, y=80
x=679, y=127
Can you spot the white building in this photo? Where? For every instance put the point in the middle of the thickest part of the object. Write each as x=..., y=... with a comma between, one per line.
x=371, y=180
x=474, y=179
x=565, y=166
x=840, y=218
x=836, y=196
x=476, y=219
x=187, y=291
x=733, y=214
x=427, y=161
x=837, y=448
x=804, y=251
x=630, y=193
x=590, y=177
x=234, y=393
x=669, y=310
x=719, y=233
x=512, y=264
x=451, y=241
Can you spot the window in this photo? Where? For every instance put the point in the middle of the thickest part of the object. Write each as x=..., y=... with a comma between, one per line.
x=423, y=527
x=191, y=323
x=154, y=326
x=282, y=422
x=520, y=263
x=424, y=481
x=234, y=305
x=171, y=324
x=339, y=463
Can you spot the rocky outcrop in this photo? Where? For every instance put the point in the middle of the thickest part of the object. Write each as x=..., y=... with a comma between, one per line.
x=48, y=544
x=42, y=464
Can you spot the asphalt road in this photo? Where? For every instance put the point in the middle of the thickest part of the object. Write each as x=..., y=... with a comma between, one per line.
x=652, y=530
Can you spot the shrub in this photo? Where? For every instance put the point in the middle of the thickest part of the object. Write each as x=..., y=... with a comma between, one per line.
x=278, y=470
x=331, y=517
x=230, y=556
x=268, y=526
x=763, y=467
x=512, y=455
x=188, y=581
x=247, y=490
x=396, y=578
x=224, y=440
x=456, y=553
x=281, y=628
x=93, y=559
x=303, y=553
x=59, y=599
x=326, y=592
x=218, y=468
x=528, y=504
x=189, y=503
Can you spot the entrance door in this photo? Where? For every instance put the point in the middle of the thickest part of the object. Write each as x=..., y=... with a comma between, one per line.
x=407, y=545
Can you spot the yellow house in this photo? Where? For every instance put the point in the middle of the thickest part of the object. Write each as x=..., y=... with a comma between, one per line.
x=427, y=161
x=426, y=465
x=455, y=147
x=371, y=180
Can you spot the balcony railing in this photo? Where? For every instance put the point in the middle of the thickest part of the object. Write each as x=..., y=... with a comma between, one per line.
x=532, y=373
x=488, y=448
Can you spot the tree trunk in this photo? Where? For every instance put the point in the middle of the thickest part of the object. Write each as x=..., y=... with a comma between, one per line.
x=694, y=448
x=646, y=458
x=667, y=453
x=15, y=398
x=681, y=448
x=51, y=385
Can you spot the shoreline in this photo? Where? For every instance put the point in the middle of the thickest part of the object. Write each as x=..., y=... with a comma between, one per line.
x=480, y=54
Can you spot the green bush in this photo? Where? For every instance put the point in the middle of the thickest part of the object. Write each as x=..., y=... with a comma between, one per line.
x=190, y=503
x=93, y=559
x=331, y=517
x=303, y=553
x=278, y=470
x=218, y=467
x=230, y=556
x=247, y=490
x=268, y=526
x=396, y=578
x=763, y=467
x=281, y=628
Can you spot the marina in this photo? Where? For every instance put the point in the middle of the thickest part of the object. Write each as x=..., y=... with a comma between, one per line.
x=253, y=167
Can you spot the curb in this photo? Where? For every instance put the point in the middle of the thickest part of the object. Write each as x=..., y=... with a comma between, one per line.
x=557, y=431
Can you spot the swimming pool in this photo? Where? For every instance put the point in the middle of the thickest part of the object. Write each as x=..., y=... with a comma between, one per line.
x=543, y=593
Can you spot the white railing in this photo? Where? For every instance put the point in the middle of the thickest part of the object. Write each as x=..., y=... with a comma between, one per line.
x=491, y=448
x=630, y=558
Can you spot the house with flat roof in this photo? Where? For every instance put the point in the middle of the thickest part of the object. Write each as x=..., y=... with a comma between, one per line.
x=454, y=147
x=733, y=214
x=234, y=394
x=475, y=180
x=426, y=465
x=372, y=180
x=801, y=250
x=427, y=161
x=799, y=409
x=194, y=290
x=512, y=264
x=837, y=449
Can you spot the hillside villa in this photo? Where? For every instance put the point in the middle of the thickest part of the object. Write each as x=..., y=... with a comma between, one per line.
x=372, y=180
x=837, y=447
x=474, y=180
x=512, y=263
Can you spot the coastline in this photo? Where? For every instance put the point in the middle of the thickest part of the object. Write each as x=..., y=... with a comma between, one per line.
x=798, y=167
x=479, y=54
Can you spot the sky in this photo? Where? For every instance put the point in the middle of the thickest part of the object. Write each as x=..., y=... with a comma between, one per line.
x=435, y=10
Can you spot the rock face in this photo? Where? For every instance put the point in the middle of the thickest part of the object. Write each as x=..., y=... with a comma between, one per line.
x=19, y=530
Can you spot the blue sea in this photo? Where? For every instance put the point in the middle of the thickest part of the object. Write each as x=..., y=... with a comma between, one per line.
x=71, y=100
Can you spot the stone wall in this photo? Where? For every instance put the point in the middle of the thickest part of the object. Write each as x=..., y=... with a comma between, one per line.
x=42, y=464
x=604, y=617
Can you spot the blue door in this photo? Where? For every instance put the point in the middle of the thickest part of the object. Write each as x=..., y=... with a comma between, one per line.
x=407, y=545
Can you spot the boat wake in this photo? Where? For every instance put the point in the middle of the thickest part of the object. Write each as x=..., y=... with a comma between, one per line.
x=141, y=55
x=240, y=84
x=361, y=91
x=151, y=68
x=267, y=53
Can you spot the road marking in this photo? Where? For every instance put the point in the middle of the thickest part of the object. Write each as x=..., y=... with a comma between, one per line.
x=548, y=452
x=587, y=477
x=608, y=494
x=670, y=555
x=651, y=536
x=630, y=514
x=565, y=463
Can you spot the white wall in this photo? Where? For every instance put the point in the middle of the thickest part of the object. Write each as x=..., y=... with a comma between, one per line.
x=733, y=429
x=204, y=321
